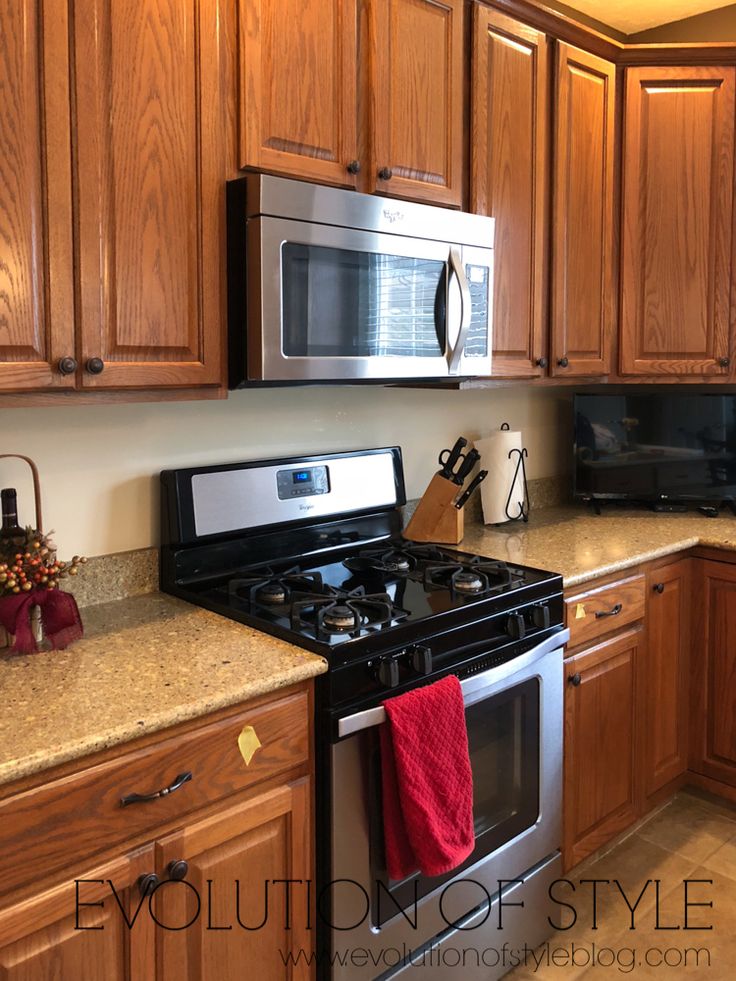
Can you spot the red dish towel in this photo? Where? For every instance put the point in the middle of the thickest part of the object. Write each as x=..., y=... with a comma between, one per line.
x=427, y=781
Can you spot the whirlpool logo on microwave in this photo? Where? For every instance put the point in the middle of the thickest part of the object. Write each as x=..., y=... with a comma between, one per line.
x=393, y=215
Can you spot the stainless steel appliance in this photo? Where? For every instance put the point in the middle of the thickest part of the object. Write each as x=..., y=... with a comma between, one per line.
x=330, y=285
x=310, y=549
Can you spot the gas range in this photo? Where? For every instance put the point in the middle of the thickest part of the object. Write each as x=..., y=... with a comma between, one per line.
x=344, y=583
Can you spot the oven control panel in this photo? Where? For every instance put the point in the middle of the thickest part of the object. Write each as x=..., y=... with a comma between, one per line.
x=304, y=482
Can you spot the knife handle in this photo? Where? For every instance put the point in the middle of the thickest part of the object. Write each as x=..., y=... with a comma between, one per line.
x=471, y=458
x=448, y=458
x=477, y=480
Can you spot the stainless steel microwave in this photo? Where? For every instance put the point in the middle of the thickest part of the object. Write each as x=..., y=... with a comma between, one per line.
x=332, y=285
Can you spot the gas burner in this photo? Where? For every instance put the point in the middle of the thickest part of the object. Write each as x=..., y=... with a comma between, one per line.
x=473, y=577
x=381, y=561
x=273, y=589
x=344, y=612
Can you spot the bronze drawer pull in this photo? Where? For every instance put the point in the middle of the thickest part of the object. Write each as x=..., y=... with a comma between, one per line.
x=609, y=613
x=179, y=781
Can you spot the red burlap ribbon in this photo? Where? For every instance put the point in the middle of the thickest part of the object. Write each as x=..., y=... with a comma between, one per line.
x=59, y=615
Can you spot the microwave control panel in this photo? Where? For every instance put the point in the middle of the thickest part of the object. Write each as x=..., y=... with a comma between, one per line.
x=304, y=482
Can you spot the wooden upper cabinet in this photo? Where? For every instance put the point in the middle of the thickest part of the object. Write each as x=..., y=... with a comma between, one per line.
x=582, y=313
x=416, y=94
x=36, y=255
x=298, y=70
x=149, y=191
x=677, y=221
x=508, y=180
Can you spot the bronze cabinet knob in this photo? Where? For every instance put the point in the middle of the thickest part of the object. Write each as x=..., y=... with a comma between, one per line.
x=354, y=167
x=95, y=366
x=385, y=174
x=67, y=366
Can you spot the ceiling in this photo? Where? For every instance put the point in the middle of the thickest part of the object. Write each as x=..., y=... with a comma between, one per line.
x=631, y=16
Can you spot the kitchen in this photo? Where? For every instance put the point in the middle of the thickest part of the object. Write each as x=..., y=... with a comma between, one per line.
x=603, y=154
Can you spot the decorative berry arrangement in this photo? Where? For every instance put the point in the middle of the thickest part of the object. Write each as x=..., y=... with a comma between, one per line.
x=29, y=562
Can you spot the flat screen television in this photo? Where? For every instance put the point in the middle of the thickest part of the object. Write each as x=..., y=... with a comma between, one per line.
x=667, y=448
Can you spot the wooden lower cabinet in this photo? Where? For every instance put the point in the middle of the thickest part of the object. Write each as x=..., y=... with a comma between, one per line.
x=600, y=743
x=664, y=676
x=713, y=673
x=73, y=931
x=245, y=893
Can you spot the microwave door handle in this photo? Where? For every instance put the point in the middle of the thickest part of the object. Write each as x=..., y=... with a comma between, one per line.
x=455, y=352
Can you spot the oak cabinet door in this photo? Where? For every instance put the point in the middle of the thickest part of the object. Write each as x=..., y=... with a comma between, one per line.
x=233, y=858
x=49, y=935
x=416, y=94
x=677, y=221
x=665, y=665
x=149, y=130
x=713, y=673
x=509, y=181
x=583, y=304
x=600, y=744
x=36, y=254
x=298, y=87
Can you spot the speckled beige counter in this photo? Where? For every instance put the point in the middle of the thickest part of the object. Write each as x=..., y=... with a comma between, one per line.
x=581, y=545
x=144, y=664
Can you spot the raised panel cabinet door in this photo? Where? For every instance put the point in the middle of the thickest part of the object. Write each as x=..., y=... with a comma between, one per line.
x=415, y=62
x=508, y=167
x=150, y=198
x=664, y=673
x=677, y=221
x=96, y=929
x=600, y=745
x=298, y=88
x=36, y=254
x=236, y=864
x=583, y=303
x=713, y=673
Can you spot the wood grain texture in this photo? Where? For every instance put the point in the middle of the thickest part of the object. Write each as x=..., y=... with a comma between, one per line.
x=581, y=607
x=713, y=673
x=39, y=938
x=436, y=519
x=677, y=221
x=416, y=69
x=254, y=842
x=600, y=793
x=36, y=285
x=665, y=675
x=583, y=260
x=70, y=819
x=298, y=77
x=508, y=167
x=149, y=168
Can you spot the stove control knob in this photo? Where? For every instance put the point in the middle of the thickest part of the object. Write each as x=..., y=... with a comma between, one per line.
x=515, y=626
x=388, y=672
x=421, y=659
x=540, y=615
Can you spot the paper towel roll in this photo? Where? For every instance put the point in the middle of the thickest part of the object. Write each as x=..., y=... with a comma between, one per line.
x=494, y=491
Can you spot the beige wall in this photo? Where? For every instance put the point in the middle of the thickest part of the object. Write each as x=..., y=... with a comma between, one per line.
x=99, y=466
x=714, y=25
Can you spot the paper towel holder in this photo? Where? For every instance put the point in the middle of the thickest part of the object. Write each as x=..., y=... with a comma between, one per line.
x=522, y=505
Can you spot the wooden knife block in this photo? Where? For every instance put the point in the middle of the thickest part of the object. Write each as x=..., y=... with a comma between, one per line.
x=436, y=518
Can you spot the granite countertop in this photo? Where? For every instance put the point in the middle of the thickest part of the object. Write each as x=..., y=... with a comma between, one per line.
x=144, y=663
x=581, y=545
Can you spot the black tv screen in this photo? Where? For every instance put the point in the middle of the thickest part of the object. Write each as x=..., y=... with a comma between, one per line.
x=655, y=447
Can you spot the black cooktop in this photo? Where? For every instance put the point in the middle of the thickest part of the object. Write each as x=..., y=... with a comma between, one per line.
x=352, y=596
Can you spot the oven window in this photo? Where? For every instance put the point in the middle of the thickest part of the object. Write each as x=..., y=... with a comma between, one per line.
x=339, y=304
x=503, y=736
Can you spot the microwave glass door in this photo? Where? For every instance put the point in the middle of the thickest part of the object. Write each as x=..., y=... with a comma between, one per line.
x=347, y=303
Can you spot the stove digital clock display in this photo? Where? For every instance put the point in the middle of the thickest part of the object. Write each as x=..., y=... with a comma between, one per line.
x=302, y=483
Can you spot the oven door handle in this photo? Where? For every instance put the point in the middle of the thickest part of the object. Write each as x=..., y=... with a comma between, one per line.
x=470, y=686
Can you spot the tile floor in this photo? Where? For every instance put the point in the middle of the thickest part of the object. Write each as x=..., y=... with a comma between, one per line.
x=692, y=837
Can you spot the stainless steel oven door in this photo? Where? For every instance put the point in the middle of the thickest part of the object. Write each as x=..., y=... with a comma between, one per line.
x=328, y=303
x=514, y=715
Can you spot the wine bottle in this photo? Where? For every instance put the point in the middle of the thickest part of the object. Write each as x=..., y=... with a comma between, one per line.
x=10, y=529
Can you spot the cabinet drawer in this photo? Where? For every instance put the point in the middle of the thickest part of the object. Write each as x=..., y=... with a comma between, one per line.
x=62, y=822
x=597, y=611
